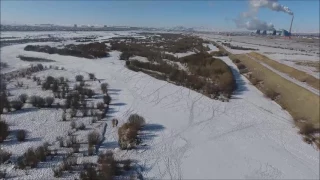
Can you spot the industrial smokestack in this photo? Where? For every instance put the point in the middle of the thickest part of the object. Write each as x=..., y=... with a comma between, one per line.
x=291, y=24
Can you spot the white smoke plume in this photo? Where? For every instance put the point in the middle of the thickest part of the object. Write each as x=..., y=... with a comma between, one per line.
x=271, y=4
x=249, y=20
x=254, y=24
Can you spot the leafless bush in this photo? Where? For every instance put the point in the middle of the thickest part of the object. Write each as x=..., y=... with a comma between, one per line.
x=4, y=130
x=64, y=117
x=61, y=79
x=241, y=66
x=94, y=119
x=306, y=128
x=136, y=120
x=90, y=150
x=272, y=94
x=4, y=156
x=16, y=104
x=126, y=164
x=42, y=152
x=49, y=101
x=60, y=140
x=23, y=98
x=4, y=102
x=127, y=136
x=89, y=173
x=100, y=106
x=3, y=173
x=19, y=84
x=68, y=163
x=104, y=87
x=91, y=76
x=88, y=92
x=84, y=111
x=79, y=78
x=109, y=166
x=236, y=61
x=29, y=158
x=73, y=124
x=99, y=116
x=72, y=100
x=21, y=135
x=125, y=55
x=82, y=126
x=76, y=147
x=82, y=84
x=107, y=99
x=57, y=172
x=94, y=138
x=37, y=101
x=73, y=112
x=73, y=139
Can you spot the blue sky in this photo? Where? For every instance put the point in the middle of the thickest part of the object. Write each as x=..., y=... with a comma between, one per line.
x=215, y=14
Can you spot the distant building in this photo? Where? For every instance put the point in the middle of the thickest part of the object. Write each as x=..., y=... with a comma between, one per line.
x=285, y=33
x=264, y=32
x=105, y=26
x=75, y=25
x=258, y=31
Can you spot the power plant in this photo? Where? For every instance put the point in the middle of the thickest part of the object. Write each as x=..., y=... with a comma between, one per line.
x=281, y=32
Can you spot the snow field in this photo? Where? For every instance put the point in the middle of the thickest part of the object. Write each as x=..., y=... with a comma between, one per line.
x=188, y=135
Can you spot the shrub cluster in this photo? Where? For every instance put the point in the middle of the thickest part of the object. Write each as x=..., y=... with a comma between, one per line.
x=16, y=104
x=100, y=106
x=4, y=156
x=66, y=165
x=37, y=101
x=92, y=76
x=79, y=78
x=272, y=94
x=104, y=87
x=90, y=51
x=4, y=130
x=32, y=157
x=238, y=47
x=125, y=55
x=49, y=101
x=4, y=102
x=94, y=138
x=108, y=168
x=107, y=99
x=21, y=135
x=128, y=132
x=72, y=100
x=202, y=67
x=34, y=59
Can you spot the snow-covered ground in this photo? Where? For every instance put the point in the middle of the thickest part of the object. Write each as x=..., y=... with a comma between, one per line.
x=188, y=135
x=212, y=47
x=139, y=58
x=63, y=34
x=180, y=55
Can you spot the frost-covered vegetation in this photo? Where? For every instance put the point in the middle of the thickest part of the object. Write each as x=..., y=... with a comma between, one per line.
x=205, y=74
x=90, y=51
